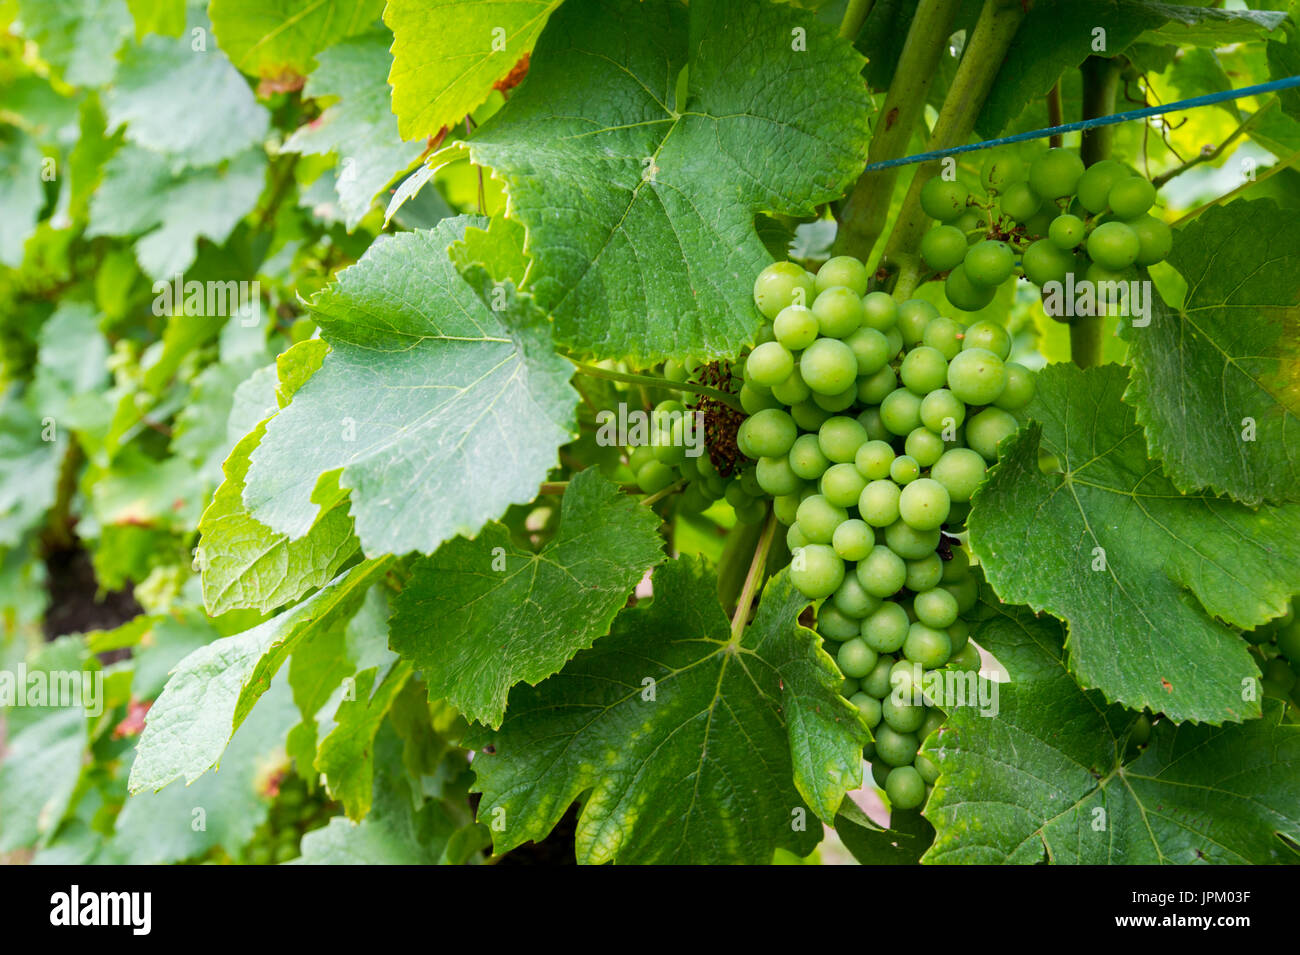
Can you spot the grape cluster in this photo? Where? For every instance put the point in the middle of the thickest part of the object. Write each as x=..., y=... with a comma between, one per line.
x=1276, y=646
x=295, y=812
x=1054, y=219
x=872, y=423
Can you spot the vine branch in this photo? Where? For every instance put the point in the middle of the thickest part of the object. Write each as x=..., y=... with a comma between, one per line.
x=756, y=567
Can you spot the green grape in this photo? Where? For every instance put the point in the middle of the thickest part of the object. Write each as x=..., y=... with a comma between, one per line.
x=924, y=573
x=843, y=270
x=894, y=748
x=869, y=418
x=754, y=401
x=879, y=311
x=1131, y=197
x=878, y=503
x=675, y=371
x=639, y=455
x=911, y=543
x=886, y=629
x=782, y=284
x=900, y=411
x=855, y=658
x=1066, y=232
x=751, y=512
x=902, y=717
x=967, y=592
x=879, y=770
x=768, y=434
x=871, y=349
x=736, y=495
x=958, y=631
x=923, y=446
x=1020, y=202
x=1114, y=245
x=851, y=600
x=941, y=410
x=904, y=469
x=927, y=646
x=794, y=538
x=842, y=485
x=766, y=333
x=873, y=459
x=957, y=568
x=906, y=679
x=913, y=316
x=926, y=768
x=748, y=479
x=775, y=476
x=769, y=364
x=986, y=431
x=936, y=608
x=965, y=294
x=1043, y=262
x=990, y=336
x=836, y=625
x=881, y=572
x=1019, y=390
x=693, y=499
x=853, y=539
x=808, y=416
x=837, y=403
x=934, y=718
x=786, y=507
x=923, y=504
x=1096, y=182
x=795, y=327
x=807, y=459
x=840, y=438
x=850, y=688
x=989, y=263
x=876, y=683
x=895, y=338
x=816, y=571
x=868, y=706
x=838, y=311
x=873, y=388
x=976, y=376
x=943, y=248
x=1001, y=171
x=1055, y=173
x=653, y=476
x=792, y=391
x=967, y=658
x=960, y=471
x=668, y=445
x=828, y=366
x=1155, y=239
x=943, y=200
x=923, y=370
x=945, y=336
x=818, y=518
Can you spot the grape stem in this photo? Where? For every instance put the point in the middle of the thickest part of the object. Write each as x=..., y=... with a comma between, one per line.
x=854, y=16
x=659, y=495
x=1212, y=154
x=650, y=381
x=1054, y=115
x=752, y=579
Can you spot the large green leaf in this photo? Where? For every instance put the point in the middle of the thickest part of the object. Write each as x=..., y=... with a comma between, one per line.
x=672, y=733
x=1046, y=774
x=277, y=39
x=191, y=105
x=141, y=196
x=1111, y=546
x=360, y=128
x=79, y=37
x=447, y=54
x=215, y=688
x=21, y=194
x=440, y=411
x=481, y=615
x=346, y=755
x=1216, y=381
x=640, y=208
x=908, y=837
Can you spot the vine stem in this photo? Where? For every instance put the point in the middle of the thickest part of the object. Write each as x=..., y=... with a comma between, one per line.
x=863, y=216
x=854, y=16
x=650, y=381
x=756, y=567
x=1273, y=170
x=985, y=51
x=659, y=495
x=1212, y=154
x=1054, y=115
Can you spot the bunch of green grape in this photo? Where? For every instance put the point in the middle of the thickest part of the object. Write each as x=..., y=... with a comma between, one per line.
x=1054, y=219
x=294, y=812
x=872, y=423
x=1276, y=646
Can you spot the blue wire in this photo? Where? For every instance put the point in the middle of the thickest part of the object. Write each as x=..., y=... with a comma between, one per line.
x=1206, y=100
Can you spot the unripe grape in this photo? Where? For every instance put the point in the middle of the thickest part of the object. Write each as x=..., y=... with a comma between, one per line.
x=988, y=429
x=960, y=471
x=1096, y=182
x=1066, y=232
x=818, y=518
x=936, y=608
x=769, y=364
x=976, y=376
x=871, y=349
x=842, y=485
x=843, y=270
x=965, y=294
x=1113, y=245
x=923, y=446
x=1131, y=197
x=881, y=572
x=852, y=601
x=923, y=504
x=945, y=336
x=782, y=284
x=924, y=573
x=941, y=409
x=807, y=459
x=913, y=316
x=943, y=200
x=873, y=459
x=833, y=624
x=999, y=172
x=837, y=402
x=923, y=370
x=654, y=476
x=894, y=748
x=900, y=411
x=872, y=389
x=808, y=416
x=795, y=327
x=911, y=543
x=1155, y=238
x=828, y=366
x=927, y=646
x=943, y=248
x=840, y=437
x=1020, y=202
x=1019, y=390
x=868, y=706
x=878, y=503
x=902, y=717
x=1044, y=262
x=775, y=477
x=855, y=658
x=768, y=434
x=1055, y=173
x=904, y=469
x=816, y=571
x=792, y=391
x=990, y=336
x=879, y=311
x=989, y=263
x=838, y=311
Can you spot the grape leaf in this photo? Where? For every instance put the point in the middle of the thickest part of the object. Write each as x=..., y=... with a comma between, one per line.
x=191, y=105
x=215, y=688
x=80, y=37
x=440, y=411
x=447, y=54
x=38, y=776
x=1283, y=61
x=21, y=195
x=1214, y=381
x=680, y=742
x=277, y=39
x=1112, y=547
x=360, y=128
x=171, y=211
x=346, y=755
x=157, y=16
x=908, y=837
x=1045, y=775
x=640, y=209
x=481, y=615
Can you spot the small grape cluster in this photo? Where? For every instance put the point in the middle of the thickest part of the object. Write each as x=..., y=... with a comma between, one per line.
x=872, y=423
x=294, y=812
x=1277, y=649
x=1052, y=220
